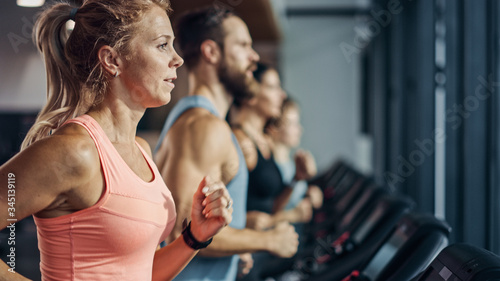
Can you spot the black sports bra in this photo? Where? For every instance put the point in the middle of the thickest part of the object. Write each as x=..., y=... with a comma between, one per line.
x=265, y=182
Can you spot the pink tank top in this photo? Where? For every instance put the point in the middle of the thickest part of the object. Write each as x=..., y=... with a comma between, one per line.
x=117, y=237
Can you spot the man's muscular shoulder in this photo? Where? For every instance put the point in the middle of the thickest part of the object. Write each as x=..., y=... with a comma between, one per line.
x=201, y=135
x=199, y=127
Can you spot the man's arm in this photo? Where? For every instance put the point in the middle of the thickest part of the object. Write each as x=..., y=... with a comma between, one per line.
x=189, y=152
x=200, y=144
x=281, y=241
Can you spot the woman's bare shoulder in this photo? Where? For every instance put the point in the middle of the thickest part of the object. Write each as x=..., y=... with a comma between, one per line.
x=70, y=152
x=51, y=167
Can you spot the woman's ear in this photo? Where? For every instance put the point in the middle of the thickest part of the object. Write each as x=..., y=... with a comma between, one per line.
x=252, y=101
x=210, y=51
x=110, y=60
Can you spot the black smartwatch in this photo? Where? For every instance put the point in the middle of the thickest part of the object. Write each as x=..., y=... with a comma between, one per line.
x=191, y=241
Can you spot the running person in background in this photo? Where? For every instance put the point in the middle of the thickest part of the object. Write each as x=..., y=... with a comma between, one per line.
x=196, y=140
x=286, y=132
x=99, y=202
x=266, y=190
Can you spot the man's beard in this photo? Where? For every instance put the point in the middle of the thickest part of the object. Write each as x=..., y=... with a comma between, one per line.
x=237, y=84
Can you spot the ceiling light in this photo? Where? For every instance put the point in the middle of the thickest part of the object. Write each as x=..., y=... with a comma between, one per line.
x=30, y=3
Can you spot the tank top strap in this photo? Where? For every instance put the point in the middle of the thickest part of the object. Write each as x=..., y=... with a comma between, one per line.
x=181, y=106
x=111, y=161
x=90, y=125
x=99, y=137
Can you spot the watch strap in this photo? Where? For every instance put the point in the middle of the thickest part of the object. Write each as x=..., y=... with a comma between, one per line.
x=191, y=241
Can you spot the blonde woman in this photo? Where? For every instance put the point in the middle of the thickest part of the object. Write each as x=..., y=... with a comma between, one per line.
x=99, y=202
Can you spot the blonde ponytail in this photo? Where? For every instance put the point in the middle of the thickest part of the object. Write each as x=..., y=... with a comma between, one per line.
x=75, y=78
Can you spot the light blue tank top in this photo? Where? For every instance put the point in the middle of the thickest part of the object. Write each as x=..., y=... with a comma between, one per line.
x=224, y=268
x=299, y=190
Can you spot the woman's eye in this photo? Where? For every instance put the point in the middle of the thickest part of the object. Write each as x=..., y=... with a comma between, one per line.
x=163, y=46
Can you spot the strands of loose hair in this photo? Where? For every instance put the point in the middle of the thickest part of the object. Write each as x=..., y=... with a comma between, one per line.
x=76, y=80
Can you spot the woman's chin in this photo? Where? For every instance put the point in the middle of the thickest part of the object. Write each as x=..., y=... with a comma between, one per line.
x=163, y=101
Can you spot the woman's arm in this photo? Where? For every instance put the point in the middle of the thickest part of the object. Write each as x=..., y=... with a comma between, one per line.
x=209, y=214
x=171, y=259
x=282, y=199
x=301, y=213
x=39, y=178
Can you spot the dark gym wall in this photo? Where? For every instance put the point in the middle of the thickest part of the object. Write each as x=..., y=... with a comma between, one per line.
x=404, y=77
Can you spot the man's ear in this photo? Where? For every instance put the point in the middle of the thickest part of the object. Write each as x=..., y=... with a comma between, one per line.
x=110, y=60
x=272, y=130
x=210, y=51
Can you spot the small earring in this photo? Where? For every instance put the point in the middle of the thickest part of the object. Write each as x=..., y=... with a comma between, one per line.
x=116, y=74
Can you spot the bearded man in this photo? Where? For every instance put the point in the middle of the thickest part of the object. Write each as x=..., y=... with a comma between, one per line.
x=197, y=141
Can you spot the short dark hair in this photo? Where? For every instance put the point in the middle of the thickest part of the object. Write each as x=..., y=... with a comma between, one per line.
x=194, y=27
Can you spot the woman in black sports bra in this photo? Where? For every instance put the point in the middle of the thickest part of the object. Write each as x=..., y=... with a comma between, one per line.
x=266, y=191
x=267, y=194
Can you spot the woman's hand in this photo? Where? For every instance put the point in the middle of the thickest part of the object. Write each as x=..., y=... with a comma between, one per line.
x=304, y=211
x=305, y=165
x=245, y=264
x=211, y=210
x=315, y=195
